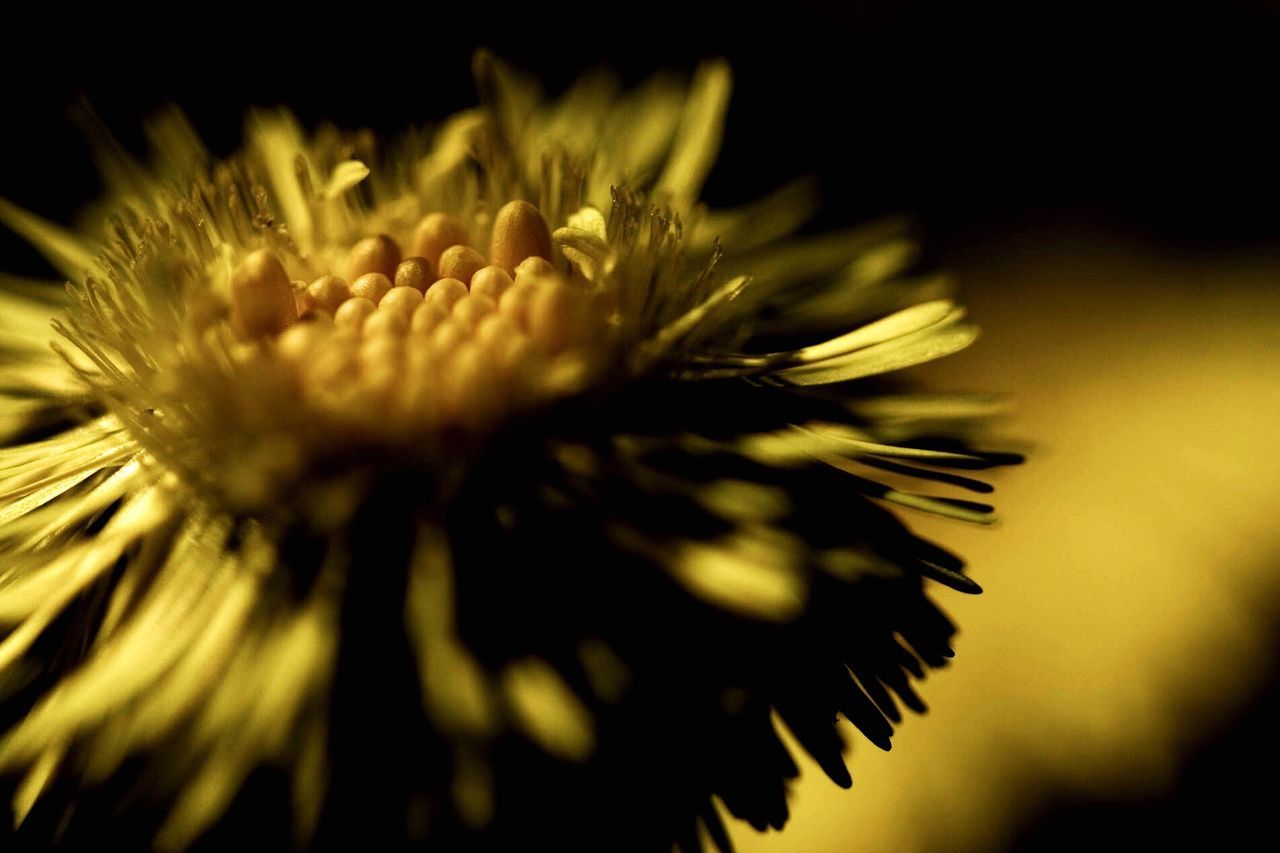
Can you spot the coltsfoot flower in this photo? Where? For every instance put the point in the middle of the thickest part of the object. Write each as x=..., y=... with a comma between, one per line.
x=463, y=490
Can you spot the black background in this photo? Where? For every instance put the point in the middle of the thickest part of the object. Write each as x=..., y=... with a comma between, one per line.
x=1157, y=122
x=1163, y=120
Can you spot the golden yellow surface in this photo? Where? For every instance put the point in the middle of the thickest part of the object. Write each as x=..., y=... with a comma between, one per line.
x=1133, y=583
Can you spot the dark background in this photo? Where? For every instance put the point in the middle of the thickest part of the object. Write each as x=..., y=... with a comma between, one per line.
x=1158, y=124
x=1164, y=121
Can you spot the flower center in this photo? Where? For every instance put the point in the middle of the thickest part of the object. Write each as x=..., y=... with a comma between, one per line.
x=445, y=338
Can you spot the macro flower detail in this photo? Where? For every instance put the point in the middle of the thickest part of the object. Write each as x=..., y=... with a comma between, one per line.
x=482, y=487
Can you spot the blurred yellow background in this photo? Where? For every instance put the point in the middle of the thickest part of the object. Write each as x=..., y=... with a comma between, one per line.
x=1133, y=582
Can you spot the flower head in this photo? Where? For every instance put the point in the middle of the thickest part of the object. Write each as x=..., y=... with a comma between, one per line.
x=462, y=488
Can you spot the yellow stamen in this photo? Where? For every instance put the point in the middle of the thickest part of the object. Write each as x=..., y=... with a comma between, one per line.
x=533, y=268
x=519, y=232
x=380, y=254
x=461, y=262
x=372, y=286
x=552, y=316
x=491, y=281
x=445, y=293
x=447, y=338
x=353, y=313
x=401, y=300
x=471, y=310
x=383, y=323
x=427, y=317
x=328, y=292
x=262, y=300
x=435, y=233
x=424, y=352
x=415, y=272
x=516, y=302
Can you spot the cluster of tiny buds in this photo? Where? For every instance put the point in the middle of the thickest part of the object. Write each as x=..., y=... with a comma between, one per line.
x=444, y=337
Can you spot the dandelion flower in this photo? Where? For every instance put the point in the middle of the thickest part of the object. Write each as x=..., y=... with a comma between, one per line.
x=463, y=490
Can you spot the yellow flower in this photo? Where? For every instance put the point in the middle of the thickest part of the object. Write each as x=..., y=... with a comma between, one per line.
x=459, y=490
